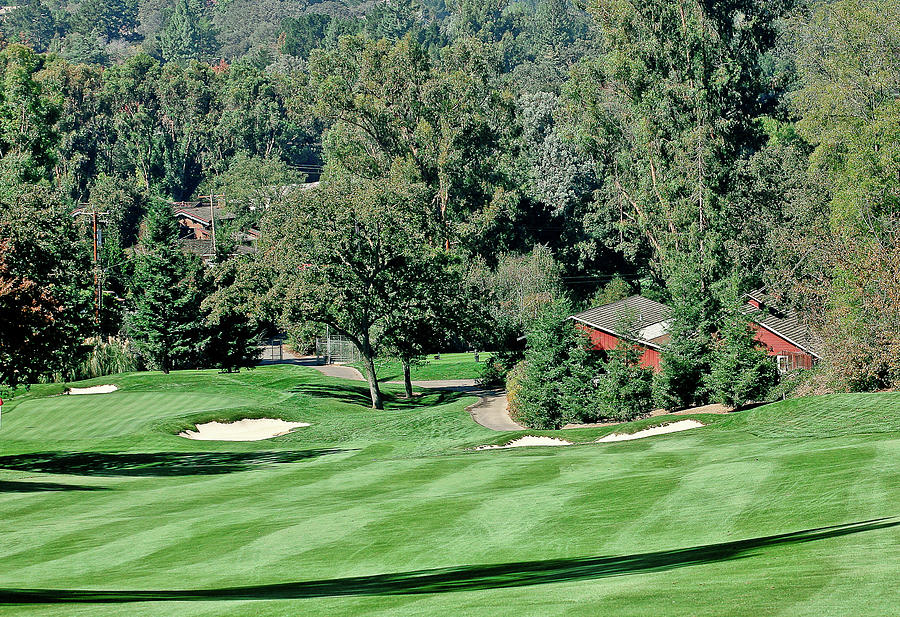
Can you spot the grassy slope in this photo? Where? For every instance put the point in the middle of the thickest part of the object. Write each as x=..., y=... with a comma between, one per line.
x=450, y=366
x=402, y=519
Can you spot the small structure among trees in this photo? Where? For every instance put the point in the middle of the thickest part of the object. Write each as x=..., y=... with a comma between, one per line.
x=779, y=330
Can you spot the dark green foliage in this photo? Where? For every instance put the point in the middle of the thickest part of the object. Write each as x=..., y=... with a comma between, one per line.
x=166, y=292
x=232, y=325
x=686, y=358
x=741, y=371
x=437, y=308
x=31, y=23
x=557, y=383
x=625, y=390
x=352, y=255
x=45, y=286
x=187, y=35
x=109, y=18
x=28, y=115
x=304, y=33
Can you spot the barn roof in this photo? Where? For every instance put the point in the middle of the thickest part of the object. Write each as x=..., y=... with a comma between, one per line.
x=608, y=317
x=785, y=323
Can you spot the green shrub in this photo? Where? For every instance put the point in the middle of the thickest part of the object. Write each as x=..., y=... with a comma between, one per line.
x=741, y=369
x=625, y=391
x=495, y=371
x=513, y=390
x=107, y=356
x=557, y=381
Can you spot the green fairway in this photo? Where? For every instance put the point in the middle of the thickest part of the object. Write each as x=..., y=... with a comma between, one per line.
x=786, y=509
x=449, y=366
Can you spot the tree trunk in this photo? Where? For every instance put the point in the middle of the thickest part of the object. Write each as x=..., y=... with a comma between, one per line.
x=374, y=390
x=407, y=381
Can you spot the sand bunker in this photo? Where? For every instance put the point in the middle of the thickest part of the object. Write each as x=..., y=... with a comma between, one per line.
x=93, y=390
x=529, y=440
x=674, y=427
x=250, y=429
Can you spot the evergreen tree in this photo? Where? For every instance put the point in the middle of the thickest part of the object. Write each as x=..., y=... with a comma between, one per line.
x=557, y=384
x=686, y=357
x=110, y=18
x=166, y=294
x=625, y=391
x=741, y=369
x=187, y=35
x=233, y=327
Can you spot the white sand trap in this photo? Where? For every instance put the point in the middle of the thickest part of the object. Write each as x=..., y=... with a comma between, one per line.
x=529, y=440
x=93, y=390
x=674, y=427
x=249, y=429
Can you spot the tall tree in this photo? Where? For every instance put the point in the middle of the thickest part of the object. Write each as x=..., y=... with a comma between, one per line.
x=165, y=320
x=232, y=324
x=112, y=18
x=388, y=101
x=187, y=34
x=45, y=286
x=666, y=112
x=439, y=308
x=28, y=115
x=849, y=101
x=347, y=253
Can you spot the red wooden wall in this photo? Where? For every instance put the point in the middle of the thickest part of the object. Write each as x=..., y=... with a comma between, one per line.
x=604, y=341
x=777, y=346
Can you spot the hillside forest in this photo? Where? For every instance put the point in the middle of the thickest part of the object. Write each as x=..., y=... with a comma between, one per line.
x=458, y=174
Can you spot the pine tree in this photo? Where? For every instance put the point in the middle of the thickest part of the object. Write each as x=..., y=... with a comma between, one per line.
x=741, y=369
x=232, y=326
x=625, y=391
x=166, y=295
x=686, y=357
x=557, y=380
x=186, y=35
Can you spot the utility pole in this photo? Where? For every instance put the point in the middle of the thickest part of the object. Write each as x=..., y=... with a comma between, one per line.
x=212, y=216
x=97, y=242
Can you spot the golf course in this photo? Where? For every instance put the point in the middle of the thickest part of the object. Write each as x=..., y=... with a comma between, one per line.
x=791, y=508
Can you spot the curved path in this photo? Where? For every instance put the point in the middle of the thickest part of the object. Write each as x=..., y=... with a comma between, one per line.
x=490, y=410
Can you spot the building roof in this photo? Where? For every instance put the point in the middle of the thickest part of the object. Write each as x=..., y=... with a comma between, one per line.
x=608, y=317
x=650, y=316
x=785, y=323
x=199, y=211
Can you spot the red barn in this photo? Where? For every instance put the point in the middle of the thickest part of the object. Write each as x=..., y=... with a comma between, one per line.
x=780, y=331
x=649, y=318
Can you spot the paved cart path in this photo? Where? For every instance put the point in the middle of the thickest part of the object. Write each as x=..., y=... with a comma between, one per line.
x=490, y=410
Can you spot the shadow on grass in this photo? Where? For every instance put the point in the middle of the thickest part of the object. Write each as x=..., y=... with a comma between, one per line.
x=359, y=395
x=153, y=464
x=40, y=487
x=461, y=578
x=356, y=395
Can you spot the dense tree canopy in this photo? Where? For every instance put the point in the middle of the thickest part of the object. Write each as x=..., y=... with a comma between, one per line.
x=517, y=152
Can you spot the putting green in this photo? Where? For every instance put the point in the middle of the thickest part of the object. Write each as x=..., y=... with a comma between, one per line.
x=769, y=511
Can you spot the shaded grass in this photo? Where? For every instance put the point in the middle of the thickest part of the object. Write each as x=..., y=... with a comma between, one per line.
x=462, y=578
x=154, y=463
x=450, y=366
x=32, y=487
x=400, y=518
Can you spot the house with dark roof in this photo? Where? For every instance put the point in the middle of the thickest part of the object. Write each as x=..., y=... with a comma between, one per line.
x=781, y=331
x=646, y=318
x=197, y=224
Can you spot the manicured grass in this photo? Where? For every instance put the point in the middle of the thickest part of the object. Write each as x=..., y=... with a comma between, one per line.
x=450, y=366
x=787, y=509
